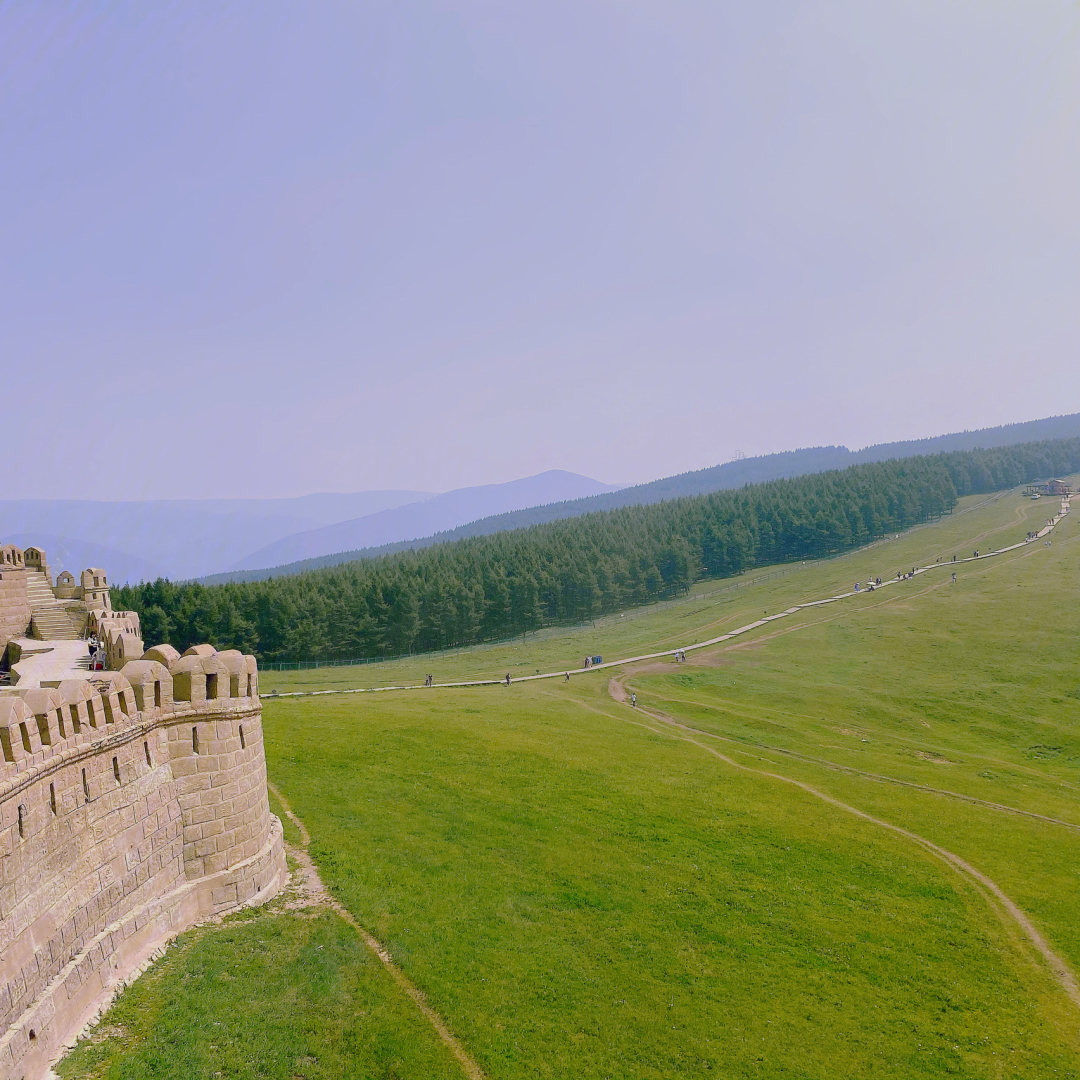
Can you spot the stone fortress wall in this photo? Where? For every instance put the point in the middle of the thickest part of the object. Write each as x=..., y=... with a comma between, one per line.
x=14, y=606
x=132, y=804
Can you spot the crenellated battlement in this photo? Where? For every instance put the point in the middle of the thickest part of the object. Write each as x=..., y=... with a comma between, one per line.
x=57, y=716
x=132, y=800
x=132, y=804
x=33, y=606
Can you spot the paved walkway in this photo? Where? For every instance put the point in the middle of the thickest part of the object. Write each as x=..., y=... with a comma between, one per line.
x=50, y=661
x=949, y=567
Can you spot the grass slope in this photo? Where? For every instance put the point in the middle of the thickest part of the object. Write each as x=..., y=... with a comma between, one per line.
x=711, y=609
x=266, y=994
x=582, y=891
x=584, y=896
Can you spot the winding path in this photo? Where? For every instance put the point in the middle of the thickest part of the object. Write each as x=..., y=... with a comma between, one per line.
x=763, y=621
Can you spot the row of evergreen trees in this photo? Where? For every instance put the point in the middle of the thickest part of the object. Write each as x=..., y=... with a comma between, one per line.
x=496, y=586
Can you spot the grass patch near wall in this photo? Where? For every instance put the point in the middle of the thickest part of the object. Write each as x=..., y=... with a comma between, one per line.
x=581, y=895
x=290, y=831
x=262, y=995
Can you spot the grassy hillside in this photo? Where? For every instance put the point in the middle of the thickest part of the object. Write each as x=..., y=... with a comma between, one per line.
x=269, y=993
x=709, y=609
x=582, y=888
x=493, y=587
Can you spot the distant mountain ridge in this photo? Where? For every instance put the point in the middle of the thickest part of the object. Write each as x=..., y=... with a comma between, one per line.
x=177, y=538
x=435, y=514
x=732, y=474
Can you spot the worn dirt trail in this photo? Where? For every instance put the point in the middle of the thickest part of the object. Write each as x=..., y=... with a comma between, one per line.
x=615, y=689
x=314, y=893
x=994, y=895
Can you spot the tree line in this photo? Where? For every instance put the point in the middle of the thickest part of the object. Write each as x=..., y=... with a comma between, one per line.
x=732, y=474
x=496, y=586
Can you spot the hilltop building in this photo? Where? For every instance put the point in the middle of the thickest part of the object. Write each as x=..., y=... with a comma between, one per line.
x=132, y=801
x=1049, y=487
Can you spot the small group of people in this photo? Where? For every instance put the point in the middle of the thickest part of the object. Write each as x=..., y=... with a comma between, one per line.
x=97, y=653
x=429, y=680
x=680, y=656
x=871, y=584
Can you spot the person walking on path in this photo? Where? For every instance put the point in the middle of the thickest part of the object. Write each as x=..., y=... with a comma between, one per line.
x=568, y=676
x=633, y=700
x=954, y=577
x=508, y=678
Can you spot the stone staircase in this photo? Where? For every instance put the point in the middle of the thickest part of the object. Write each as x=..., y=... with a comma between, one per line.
x=49, y=620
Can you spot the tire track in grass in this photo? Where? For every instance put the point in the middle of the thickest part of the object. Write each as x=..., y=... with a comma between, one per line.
x=317, y=889
x=850, y=770
x=990, y=890
x=616, y=690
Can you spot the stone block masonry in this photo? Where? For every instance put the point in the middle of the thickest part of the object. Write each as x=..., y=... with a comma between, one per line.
x=132, y=804
x=14, y=603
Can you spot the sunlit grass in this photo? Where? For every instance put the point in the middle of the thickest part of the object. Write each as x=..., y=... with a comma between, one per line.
x=711, y=608
x=582, y=892
x=264, y=995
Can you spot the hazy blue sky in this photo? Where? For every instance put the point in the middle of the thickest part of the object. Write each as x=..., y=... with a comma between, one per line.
x=266, y=249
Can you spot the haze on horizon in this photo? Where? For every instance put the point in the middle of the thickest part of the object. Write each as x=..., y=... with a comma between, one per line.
x=265, y=250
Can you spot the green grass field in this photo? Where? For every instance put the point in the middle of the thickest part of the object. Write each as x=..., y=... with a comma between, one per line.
x=584, y=889
x=712, y=608
x=265, y=994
